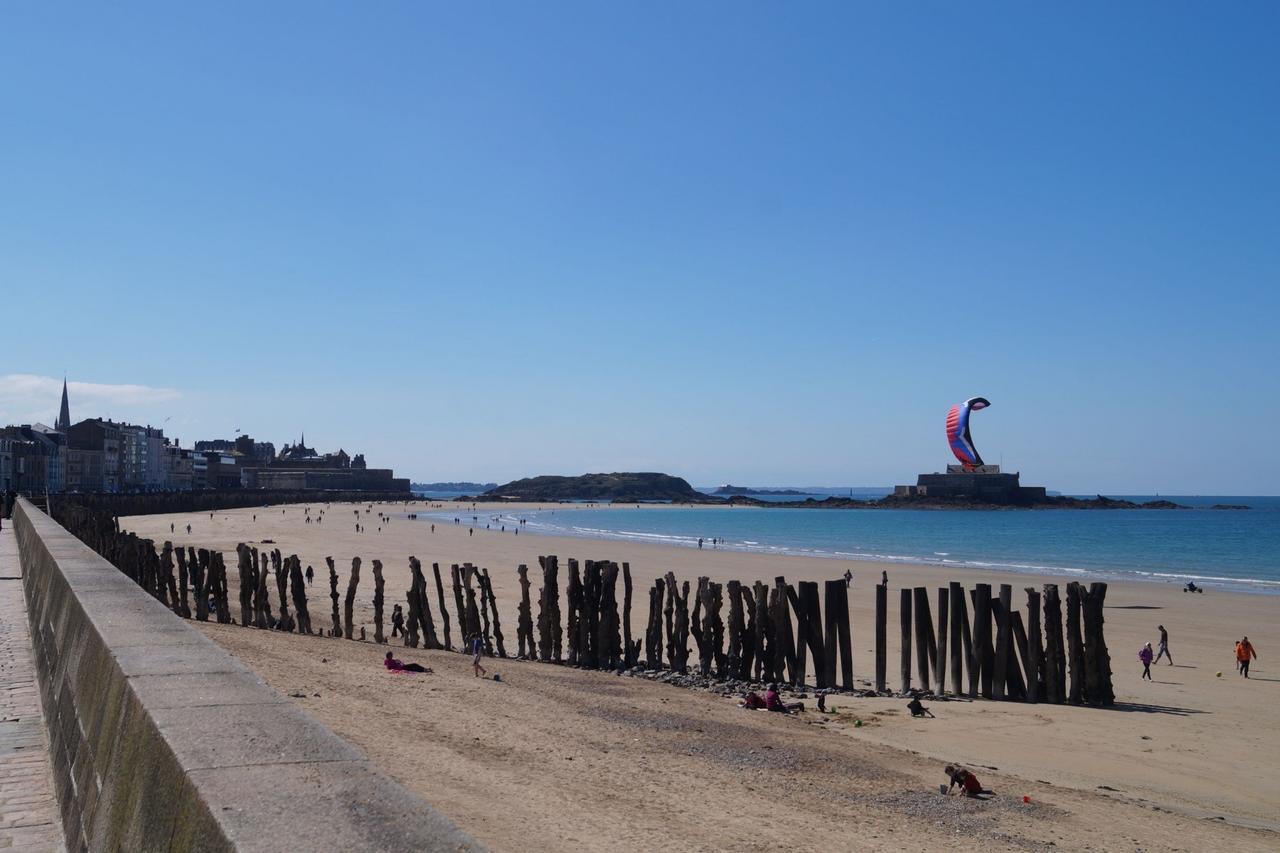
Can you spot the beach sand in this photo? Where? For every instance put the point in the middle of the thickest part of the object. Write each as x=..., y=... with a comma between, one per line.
x=561, y=759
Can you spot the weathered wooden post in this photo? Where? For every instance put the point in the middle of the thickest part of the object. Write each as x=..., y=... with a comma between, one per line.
x=486, y=587
x=925, y=661
x=574, y=599
x=348, y=603
x=1035, y=651
x=941, y=671
x=285, y=622
x=262, y=616
x=737, y=627
x=1055, y=661
x=333, y=594
x=411, y=621
x=1075, y=646
x=378, y=636
x=982, y=646
x=882, y=640
x=653, y=634
x=455, y=573
x=199, y=564
x=184, y=605
x=838, y=600
x=526, y=648
x=631, y=654
x=763, y=628
x=246, y=590
x=549, y=610
x=1014, y=686
x=474, y=626
x=1097, y=669
x=444, y=611
x=1002, y=642
x=961, y=651
x=678, y=633
x=904, y=614
x=298, y=587
x=166, y=566
x=218, y=577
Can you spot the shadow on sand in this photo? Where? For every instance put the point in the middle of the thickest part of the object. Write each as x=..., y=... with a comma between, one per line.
x=1145, y=708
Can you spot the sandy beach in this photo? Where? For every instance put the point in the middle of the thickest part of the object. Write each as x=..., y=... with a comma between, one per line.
x=586, y=760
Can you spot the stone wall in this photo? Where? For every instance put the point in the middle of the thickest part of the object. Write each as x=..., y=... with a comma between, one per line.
x=161, y=740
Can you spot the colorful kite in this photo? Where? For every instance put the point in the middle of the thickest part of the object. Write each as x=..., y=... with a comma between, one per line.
x=958, y=432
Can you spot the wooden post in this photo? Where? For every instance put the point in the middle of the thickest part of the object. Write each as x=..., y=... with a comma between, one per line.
x=1035, y=651
x=184, y=605
x=834, y=590
x=574, y=599
x=526, y=648
x=262, y=597
x=838, y=617
x=715, y=627
x=631, y=653
x=904, y=614
x=737, y=627
x=198, y=566
x=982, y=647
x=246, y=590
x=668, y=613
x=941, y=670
x=763, y=628
x=464, y=630
x=961, y=649
x=1002, y=641
x=349, y=602
x=1055, y=661
x=653, y=633
x=678, y=636
x=1097, y=661
x=783, y=636
x=378, y=636
x=333, y=594
x=444, y=611
x=1075, y=646
x=1015, y=688
x=882, y=620
x=925, y=661
x=473, y=620
x=486, y=587
x=298, y=590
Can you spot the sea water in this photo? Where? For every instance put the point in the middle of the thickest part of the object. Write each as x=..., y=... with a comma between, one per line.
x=1235, y=549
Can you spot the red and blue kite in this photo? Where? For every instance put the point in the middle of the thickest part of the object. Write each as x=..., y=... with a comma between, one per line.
x=958, y=432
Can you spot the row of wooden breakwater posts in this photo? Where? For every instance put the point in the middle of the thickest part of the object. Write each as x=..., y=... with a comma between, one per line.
x=770, y=633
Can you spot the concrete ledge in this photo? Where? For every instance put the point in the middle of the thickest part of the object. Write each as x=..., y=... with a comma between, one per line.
x=160, y=740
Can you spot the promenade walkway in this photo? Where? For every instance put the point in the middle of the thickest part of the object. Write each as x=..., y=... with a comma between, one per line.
x=28, y=810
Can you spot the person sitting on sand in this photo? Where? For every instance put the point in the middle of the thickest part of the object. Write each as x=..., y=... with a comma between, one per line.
x=752, y=701
x=917, y=709
x=969, y=784
x=399, y=666
x=477, y=649
x=773, y=702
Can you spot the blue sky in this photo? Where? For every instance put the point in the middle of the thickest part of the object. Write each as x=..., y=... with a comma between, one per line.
x=739, y=242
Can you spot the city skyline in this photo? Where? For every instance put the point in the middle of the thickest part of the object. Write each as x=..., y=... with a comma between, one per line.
x=750, y=245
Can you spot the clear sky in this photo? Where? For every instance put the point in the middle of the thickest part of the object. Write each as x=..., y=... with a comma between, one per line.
x=756, y=243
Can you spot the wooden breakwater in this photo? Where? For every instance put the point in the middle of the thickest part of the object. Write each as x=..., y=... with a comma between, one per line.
x=793, y=633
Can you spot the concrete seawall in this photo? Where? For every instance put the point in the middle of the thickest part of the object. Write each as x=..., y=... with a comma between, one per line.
x=160, y=740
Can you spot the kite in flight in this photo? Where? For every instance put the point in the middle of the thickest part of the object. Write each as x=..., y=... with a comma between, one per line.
x=958, y=432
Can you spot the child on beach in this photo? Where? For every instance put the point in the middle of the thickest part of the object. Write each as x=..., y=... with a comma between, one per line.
x=477, y=649
x=1145, y=655
x=969, y=784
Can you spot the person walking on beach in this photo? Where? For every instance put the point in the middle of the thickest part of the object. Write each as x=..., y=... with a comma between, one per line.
x=848, y=578
x=477, y=650
x=1145, y=655
x=699, y=543
x=1245, y=652
x=1164, y=646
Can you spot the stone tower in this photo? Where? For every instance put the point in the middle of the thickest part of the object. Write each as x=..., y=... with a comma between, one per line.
x=64, y=415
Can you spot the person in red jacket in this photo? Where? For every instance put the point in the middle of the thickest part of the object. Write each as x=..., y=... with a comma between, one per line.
x=969, y=784
x=1245, y=652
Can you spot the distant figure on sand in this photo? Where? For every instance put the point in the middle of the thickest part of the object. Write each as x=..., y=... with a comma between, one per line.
x=1145, y=655
x=397, y=666
x=477, y=650
x=1164, y=646
x=310, y=575
x=1191, y=587
x=884, y=578
x=188, y=529
x=917, y=709
x=397, y=621
x=969, y=784
x=699, y=543
x=848, y=578
x=1245, y=652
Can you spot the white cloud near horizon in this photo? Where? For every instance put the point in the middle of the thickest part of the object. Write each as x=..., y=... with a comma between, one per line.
x=27, y=398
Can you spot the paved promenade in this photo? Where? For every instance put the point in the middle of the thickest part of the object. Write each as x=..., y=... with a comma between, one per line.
x=28, y=812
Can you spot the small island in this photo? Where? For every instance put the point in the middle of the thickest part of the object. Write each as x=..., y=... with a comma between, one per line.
x=452, y=487
x=747, y=490
x=616, y=487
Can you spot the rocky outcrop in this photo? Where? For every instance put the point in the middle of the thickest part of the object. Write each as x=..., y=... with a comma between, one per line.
x=746, y=490
x=616, y=487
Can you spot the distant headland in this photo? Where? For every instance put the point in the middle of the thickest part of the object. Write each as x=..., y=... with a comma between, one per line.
x=632, y=487
x=747, y=490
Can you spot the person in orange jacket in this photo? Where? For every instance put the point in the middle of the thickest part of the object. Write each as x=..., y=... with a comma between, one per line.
x=1245, y=652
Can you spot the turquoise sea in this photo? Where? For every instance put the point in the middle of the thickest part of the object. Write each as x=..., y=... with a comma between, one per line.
x=1225, y=549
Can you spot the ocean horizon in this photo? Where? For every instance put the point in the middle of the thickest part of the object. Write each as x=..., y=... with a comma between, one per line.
x=1236, y=550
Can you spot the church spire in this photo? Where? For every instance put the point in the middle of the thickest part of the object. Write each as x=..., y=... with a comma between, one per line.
x=64, y=415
